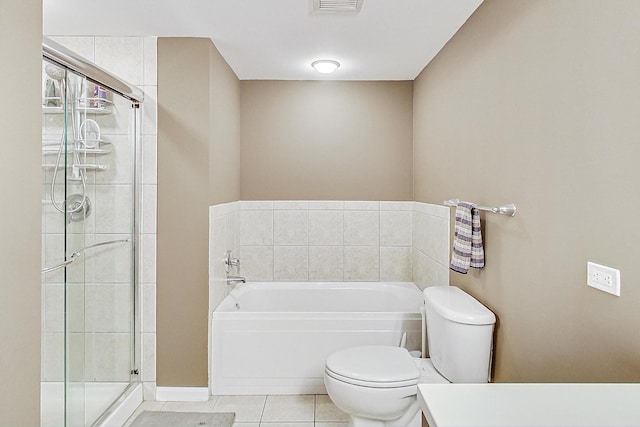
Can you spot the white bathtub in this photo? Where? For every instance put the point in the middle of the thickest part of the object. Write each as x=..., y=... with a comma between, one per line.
x=274, y=338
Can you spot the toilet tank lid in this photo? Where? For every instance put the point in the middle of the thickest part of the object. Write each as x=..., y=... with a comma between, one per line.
x=454, y=304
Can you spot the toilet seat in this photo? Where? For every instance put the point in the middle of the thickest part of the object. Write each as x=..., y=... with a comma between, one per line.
x=373, y=366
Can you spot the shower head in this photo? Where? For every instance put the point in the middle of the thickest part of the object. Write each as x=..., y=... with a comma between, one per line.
x=55, y=73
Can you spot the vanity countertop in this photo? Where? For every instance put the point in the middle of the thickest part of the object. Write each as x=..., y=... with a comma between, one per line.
x=530, y=404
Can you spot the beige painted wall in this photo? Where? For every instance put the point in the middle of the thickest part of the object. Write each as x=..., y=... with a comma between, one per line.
x=224, y=149
x=538, y=103
x=195, y=134
x=20, y=217
x=326, y=140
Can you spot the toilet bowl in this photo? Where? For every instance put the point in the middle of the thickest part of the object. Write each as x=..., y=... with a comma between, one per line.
x=377, y=385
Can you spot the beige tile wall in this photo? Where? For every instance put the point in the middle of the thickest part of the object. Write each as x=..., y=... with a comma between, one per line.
x=329, y=241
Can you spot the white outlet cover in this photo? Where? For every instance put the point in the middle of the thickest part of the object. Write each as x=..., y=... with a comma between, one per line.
x=604, y=278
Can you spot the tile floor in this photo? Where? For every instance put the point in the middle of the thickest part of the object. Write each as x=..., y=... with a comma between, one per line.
x=262, y=411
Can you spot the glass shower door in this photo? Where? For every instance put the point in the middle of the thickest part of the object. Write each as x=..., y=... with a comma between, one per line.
x=89, y=145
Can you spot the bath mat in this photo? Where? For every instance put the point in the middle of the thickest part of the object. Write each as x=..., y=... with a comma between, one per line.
x=183, y=419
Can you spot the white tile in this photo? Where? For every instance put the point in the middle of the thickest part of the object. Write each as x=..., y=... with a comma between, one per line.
x=120, y=121
x=419, y=231
x=361, y=228
x=395, y=264
x=150, y=51
x=291, y=263
x=361, y=263
x=396, y=228
x=119, y=162
x=247, y=408
x=248, y=205
x=326, y=204
x=148, y=308
x=111, y=263
x=257, y=263
x=148, y=367
x=83, y=46
x=396, y=206
x=150, y=110
x=108, y=307
x=437, y=239
x=113, y=209
x=326, y=227
x=290, y=204
x=53, y=360
x=327, y=411
x=256, y=227
x=149, y=208
x=288, y=408
x=54, y=308
x=326, y=263
x=428, y=272
x=358, y=205
x=149, y=390
x=149, y=159
x=111, y=357
x=335, y=424
x=439, y=211
x=236, y=424
x=148, y=267
x=122, y=56
x=290, y=227
x=233, y=229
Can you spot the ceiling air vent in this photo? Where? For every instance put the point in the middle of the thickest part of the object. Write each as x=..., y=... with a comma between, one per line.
x=323, y=6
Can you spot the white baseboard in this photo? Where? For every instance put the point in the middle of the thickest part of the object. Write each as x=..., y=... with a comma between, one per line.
x=182, y=394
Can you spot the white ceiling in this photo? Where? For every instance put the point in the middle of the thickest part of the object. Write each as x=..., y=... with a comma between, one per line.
x=278, y=39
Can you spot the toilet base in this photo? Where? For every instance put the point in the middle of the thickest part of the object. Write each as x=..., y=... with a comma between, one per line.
x=412, y=418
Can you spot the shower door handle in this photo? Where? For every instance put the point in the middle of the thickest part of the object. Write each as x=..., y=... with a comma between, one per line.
x=74, y=256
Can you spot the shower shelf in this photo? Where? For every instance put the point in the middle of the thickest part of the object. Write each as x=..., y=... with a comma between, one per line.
x=49, y=148
x=105, y=148
x=83, y=105
x=84, y=166
x=52, y=110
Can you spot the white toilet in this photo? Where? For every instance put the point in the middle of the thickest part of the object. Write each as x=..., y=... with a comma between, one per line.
x=377, y=385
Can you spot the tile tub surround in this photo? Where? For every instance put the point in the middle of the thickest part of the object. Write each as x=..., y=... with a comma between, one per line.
x=135, y=60
x=329, y=241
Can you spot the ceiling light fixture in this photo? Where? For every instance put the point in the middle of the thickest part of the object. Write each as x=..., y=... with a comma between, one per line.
x=325, y=66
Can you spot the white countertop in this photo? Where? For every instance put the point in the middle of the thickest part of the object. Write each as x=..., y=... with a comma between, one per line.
x=530, y=405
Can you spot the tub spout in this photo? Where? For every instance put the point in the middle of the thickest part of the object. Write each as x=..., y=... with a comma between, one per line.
x=232, y=280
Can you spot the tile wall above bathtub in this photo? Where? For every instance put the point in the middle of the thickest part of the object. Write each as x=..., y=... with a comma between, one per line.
x=328, y=241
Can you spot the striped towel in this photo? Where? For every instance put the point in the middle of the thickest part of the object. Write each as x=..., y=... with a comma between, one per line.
x=467, y=242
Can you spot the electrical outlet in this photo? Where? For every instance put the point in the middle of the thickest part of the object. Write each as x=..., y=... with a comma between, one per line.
x=605, y=278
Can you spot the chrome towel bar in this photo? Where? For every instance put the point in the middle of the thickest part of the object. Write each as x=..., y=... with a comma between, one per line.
x=509, y=209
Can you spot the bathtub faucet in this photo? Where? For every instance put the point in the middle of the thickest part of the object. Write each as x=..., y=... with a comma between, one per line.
x=233, y=280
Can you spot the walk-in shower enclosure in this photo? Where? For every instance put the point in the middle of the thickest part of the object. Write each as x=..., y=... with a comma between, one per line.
x=90, y=140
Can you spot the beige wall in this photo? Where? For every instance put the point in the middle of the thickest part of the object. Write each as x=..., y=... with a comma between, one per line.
x=20, y=183
x=194, y=133
x=538, y=103
x=326, y=140
x=224, y=151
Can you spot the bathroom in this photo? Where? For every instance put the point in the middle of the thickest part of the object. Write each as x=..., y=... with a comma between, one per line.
x=538, y=93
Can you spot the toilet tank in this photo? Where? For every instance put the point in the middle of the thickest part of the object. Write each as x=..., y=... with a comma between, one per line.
x=459, y=334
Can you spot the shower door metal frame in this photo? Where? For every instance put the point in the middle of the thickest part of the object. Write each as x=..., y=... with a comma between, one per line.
x=65, y=58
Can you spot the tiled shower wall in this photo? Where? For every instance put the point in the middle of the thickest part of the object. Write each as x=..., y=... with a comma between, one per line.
x=134, y=59
x=329, y=241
